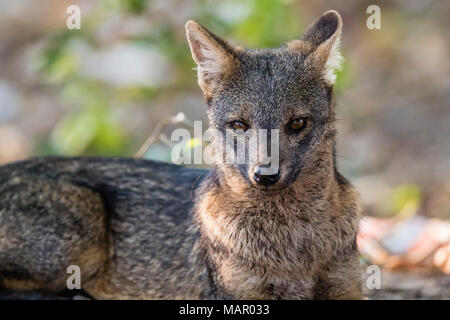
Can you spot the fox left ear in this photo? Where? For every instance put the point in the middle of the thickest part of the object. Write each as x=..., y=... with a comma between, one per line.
x=323, y=39
x=213, y=56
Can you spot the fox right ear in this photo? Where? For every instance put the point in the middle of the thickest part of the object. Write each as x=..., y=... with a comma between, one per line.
x=323, y=37
x=213, y=56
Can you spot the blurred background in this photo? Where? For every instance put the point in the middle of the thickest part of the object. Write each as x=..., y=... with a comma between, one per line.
x=127, y=74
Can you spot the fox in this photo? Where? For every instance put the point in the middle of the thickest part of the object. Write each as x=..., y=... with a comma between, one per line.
x=143, y=229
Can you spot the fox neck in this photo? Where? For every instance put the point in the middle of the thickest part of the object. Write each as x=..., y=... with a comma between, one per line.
x=245, y=233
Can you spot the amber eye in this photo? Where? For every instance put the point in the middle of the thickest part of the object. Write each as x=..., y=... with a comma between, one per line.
x=238, y=125
x=297, y=124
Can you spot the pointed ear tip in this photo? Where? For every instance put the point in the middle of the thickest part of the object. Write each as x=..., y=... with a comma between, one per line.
x=331, y=12
x=190, y=24
x=334, y=14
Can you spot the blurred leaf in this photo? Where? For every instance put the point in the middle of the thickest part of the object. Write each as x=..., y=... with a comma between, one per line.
x=131, y=6
x=271, y=23
x=134, y=6
x=109, y=139
x=85, y=93
x=90, y=131
x=406, y=195
x=74, y=134
x=135, y=94
x=343, y=77
x=55, y=61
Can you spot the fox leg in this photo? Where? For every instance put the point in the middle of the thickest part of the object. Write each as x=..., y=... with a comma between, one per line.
x=47, y=225
x=341, y=279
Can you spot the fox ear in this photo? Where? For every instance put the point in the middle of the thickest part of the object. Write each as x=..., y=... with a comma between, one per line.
x=323, y=37
x=213, y=56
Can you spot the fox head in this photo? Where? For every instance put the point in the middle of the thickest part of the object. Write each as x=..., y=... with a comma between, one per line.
x=287, y=89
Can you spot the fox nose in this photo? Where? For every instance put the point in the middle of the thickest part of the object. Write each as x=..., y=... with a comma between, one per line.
x=261, y=177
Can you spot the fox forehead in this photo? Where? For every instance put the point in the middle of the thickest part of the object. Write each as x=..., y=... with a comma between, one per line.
x=272, y=81
x=274, y=66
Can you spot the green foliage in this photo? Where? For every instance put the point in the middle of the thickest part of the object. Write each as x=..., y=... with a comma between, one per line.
x=343, y=76
x=406, y=195
x=134, y=6
x=89, y=131
x=271, y=23
x=56, y=60
x=127, y=6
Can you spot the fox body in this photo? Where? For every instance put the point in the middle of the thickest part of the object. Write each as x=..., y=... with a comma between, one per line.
x=142, y=229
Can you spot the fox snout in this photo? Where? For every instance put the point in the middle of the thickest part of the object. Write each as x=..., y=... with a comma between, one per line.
x=266, y=175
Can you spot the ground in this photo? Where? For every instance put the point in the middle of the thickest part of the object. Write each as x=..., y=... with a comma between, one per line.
x=410, y=285
x=394, y=286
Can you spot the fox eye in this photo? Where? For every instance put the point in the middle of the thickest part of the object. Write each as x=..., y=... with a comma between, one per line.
x=298, y=124
x=239, y=125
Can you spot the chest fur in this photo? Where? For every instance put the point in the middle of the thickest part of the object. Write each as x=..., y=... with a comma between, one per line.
x=271, y=251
